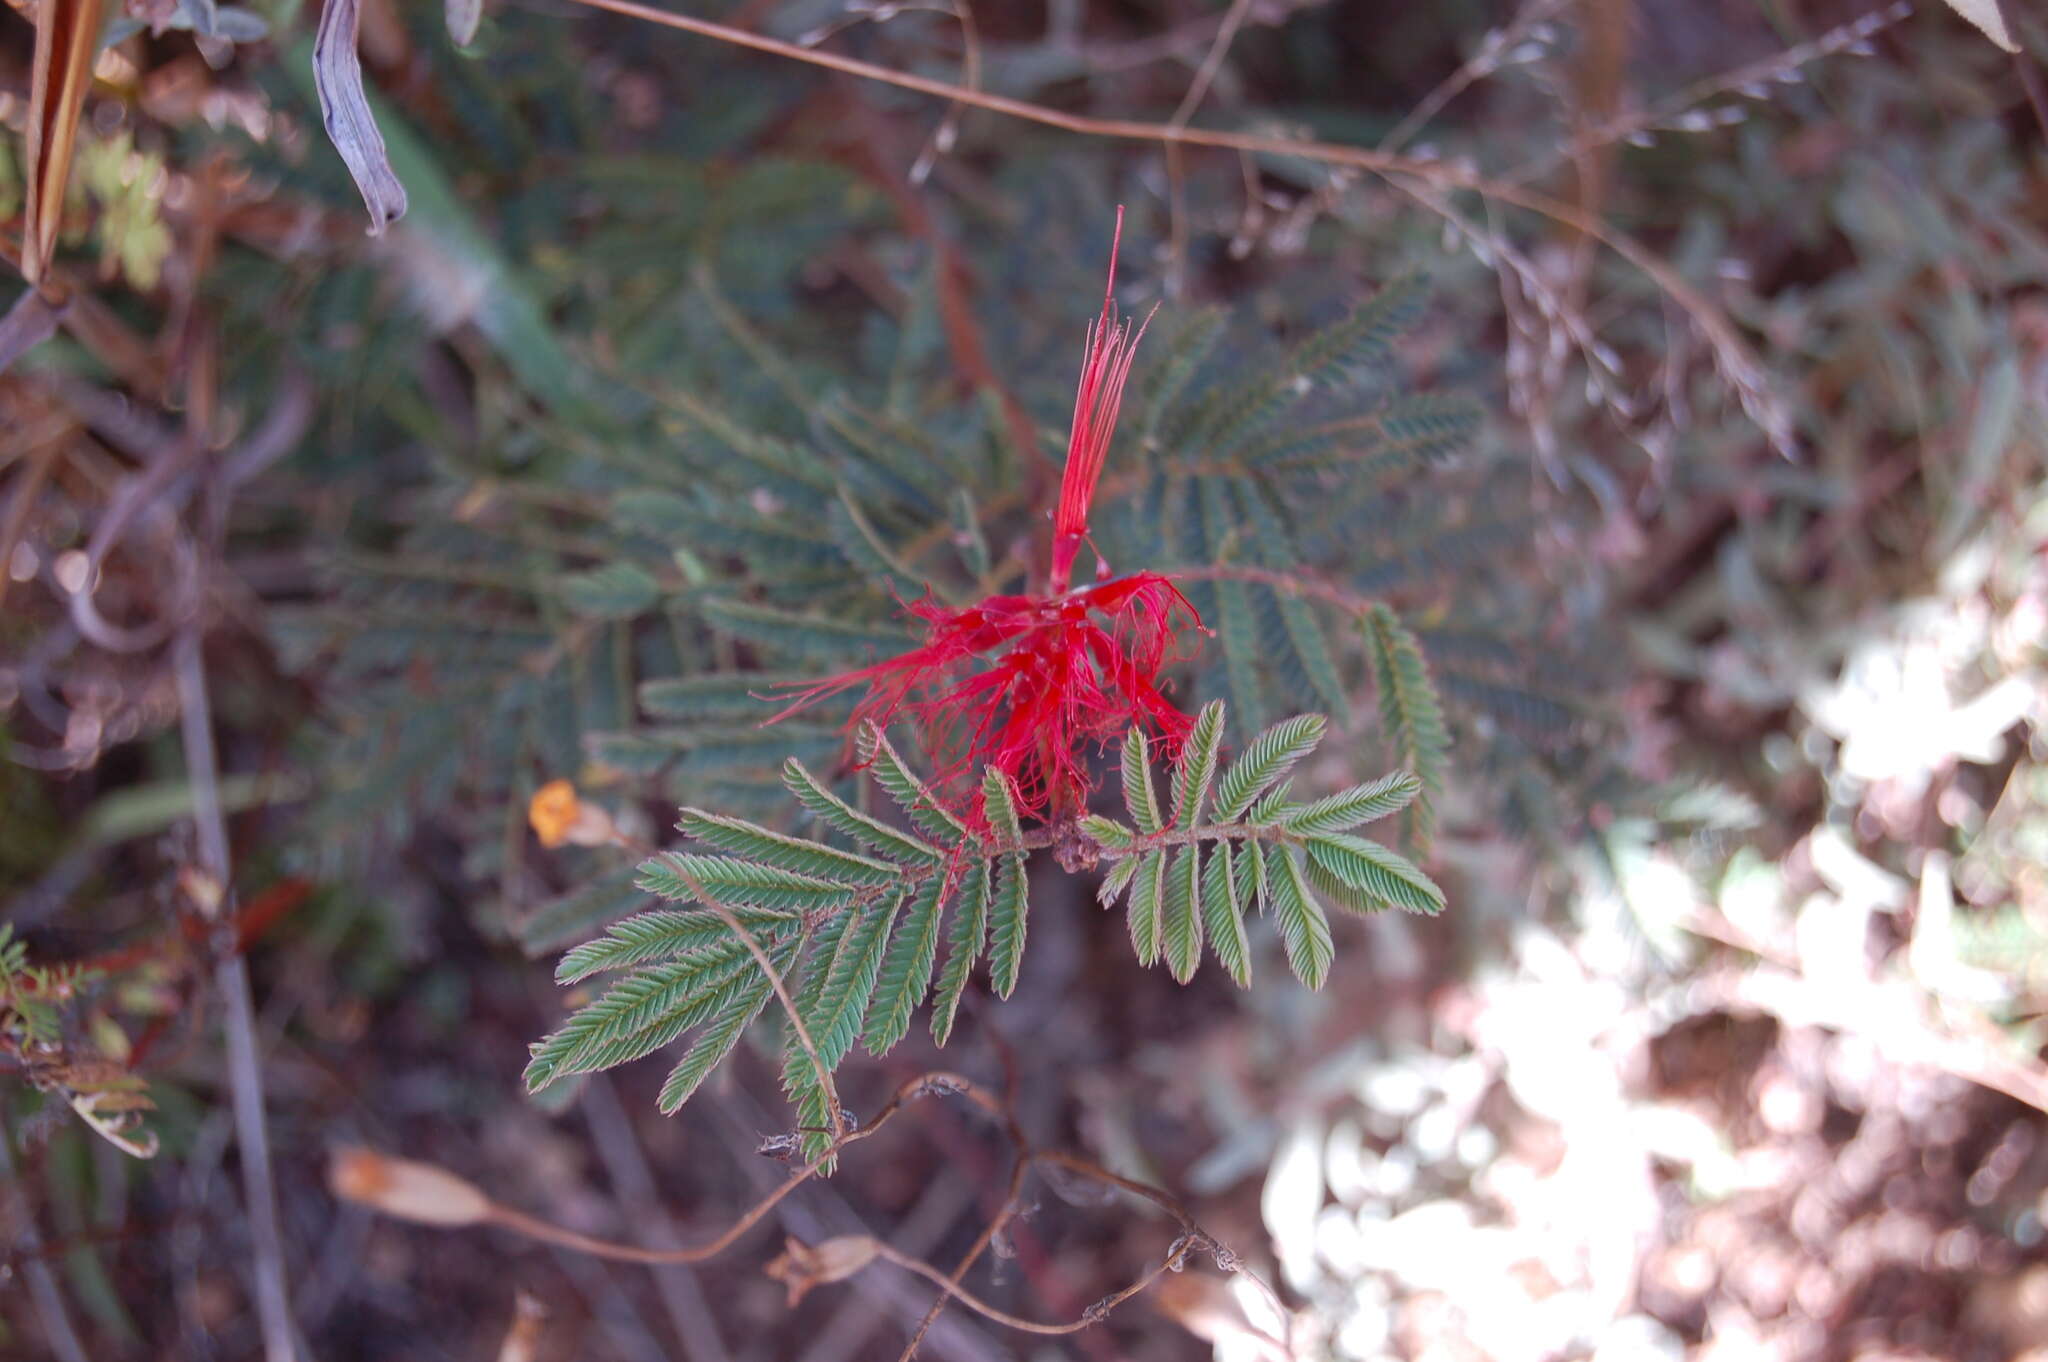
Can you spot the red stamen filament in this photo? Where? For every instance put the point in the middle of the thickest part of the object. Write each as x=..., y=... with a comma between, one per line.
x=1063, y=669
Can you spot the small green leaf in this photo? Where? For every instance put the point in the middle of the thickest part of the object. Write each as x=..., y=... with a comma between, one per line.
x=1148, y=893
x=666, y=932
x=1303, y=928
x=1411, y=714
x=1251, y=877
x=1007, y=914
x=1107, y=832
x=1374, y=870
x=1237, y=635
x=757, y=843
x=872, y=832
x=1312, y=647
x=963, y=947
x=907, y=968
x=1349, y=808
x=638, y=1014
x=850, y=984
x=1223, y=915
x=1116, y=881
x=1181, y=926
x=615, y=591
x=712, y=1045
x=1266, y=759
x=1139, y=797
x=1270, y=804
x=810, y=637
x=1197, y=766
x=916, y=800
x=679, y=876
x=701, y=698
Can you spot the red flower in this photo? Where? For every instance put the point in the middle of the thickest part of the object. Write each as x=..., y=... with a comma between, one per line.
x=1022, y=682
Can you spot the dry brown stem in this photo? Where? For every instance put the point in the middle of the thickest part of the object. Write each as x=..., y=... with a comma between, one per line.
x=802, y=1267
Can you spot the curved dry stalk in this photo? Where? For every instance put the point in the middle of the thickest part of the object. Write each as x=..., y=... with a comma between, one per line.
x=427, y=1194
x=1094, y=1314
x=364, y=1177
x=1020, y=1166
x=1737, y=361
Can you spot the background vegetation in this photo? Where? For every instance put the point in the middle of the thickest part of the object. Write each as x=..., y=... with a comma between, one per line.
x=1673, y=509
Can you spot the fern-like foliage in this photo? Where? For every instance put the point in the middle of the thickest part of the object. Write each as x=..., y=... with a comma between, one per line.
x=29, y=1014
x=1286, y=498
x=852, y=921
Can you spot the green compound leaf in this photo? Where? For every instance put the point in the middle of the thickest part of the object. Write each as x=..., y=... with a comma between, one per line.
x=664, y=933
x=1268, y=757
x=912, y=795
x=713, y=1044
x=1373, y=870
x=758, y=844
x=907, y=968
x=836, y=812
x=1411, y=713
x=1366, y=803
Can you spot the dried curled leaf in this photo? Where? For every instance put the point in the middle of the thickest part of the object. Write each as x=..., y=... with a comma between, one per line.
x=421, y=1192
x=345, y=111
x=800, y=1267
x=558, y=815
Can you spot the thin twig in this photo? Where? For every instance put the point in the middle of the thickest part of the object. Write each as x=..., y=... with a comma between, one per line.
x=231, y=977
x=1094, y=1314
x=633, y=1183
x=519, y=1222
x=1176, y=174
x=43, y=1292
x=1479, y=65
x=1018, y=1168
x=1289, y=583
x=1668, y=113
x=1191, y=1237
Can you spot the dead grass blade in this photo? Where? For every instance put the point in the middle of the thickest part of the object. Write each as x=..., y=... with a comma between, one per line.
x=67, y=32
x=345, y=111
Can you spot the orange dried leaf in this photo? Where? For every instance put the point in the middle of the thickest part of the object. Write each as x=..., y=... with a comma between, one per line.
x=558, y=816
x=421, y=1192
x=552, y=812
